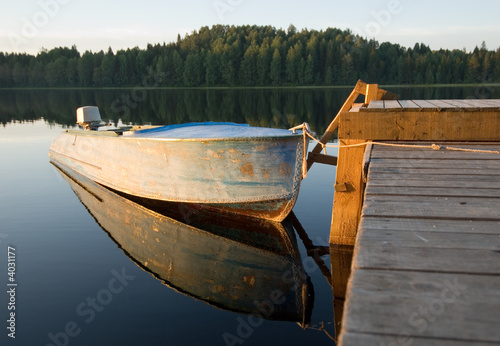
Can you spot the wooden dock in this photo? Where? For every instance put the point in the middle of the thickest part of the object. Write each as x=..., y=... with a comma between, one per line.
x=426, y=269
x=417, y=193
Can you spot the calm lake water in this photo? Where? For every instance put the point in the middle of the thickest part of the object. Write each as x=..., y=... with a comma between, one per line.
x=80, y=268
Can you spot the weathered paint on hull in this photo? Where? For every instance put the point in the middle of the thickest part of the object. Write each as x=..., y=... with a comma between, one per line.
x=232, y=266
x=259, y=177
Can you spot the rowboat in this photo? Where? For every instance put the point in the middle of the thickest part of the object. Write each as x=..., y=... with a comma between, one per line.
x=238, y=168
x=237, y=264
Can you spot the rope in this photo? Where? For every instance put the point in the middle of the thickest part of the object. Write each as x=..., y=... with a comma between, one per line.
x=304, y=127
x=413, y=146
x=305, y=131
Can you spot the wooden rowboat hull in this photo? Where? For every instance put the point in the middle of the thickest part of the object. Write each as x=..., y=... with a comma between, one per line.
x=258, y=177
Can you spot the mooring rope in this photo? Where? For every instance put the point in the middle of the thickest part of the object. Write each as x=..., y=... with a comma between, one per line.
x=305, y=130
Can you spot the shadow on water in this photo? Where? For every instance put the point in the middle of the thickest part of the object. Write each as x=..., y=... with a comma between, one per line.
x=243, y=265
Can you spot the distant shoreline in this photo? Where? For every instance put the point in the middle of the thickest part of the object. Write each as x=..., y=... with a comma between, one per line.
x=318, y=87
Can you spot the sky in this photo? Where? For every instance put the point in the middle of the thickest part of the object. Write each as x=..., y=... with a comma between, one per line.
x=30, y=25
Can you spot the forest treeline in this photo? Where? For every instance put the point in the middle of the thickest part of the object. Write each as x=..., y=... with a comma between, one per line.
x=252, y=56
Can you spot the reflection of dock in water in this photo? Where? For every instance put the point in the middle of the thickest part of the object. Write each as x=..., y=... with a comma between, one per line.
x=234, y=263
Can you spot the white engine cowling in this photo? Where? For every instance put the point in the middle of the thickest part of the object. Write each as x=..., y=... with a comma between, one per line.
x=88, y=117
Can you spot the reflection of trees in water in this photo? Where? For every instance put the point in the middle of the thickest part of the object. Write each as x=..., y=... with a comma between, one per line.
x=280, y=108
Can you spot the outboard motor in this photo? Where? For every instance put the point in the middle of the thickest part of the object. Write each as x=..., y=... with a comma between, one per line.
x=89, y=118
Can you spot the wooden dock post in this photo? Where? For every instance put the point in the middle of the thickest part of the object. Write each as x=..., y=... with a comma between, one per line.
x=349, y=184
x=348, y=198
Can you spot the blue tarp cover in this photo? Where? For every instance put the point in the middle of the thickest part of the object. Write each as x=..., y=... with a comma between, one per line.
x=210, y=130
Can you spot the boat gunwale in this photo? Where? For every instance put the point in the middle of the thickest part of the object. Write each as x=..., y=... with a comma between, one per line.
x=111, y=134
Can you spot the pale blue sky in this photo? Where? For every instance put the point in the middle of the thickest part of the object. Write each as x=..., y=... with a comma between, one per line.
x=28, y=25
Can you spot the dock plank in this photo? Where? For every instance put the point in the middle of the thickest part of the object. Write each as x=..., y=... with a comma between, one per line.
x=443, y=105
x=493, y=103
x=401, y=339
x=376, y=105
x=434, y=225
x=481, y=104
x=426, y=105
x=441, y=177
x=418, y=160
x=455, y=103
x=455, y=184
x=429, y=239
x=466, y=105
x=414, y=304
x=437, y=260
x=409, y=105
x=438, y=154
x=392, y=105
x=434, y=191
x=411, y=146
x=441, y=171
x=432, y=207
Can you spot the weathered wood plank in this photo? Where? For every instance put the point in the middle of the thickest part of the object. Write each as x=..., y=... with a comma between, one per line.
x=461, y=104
x=452, y=103
x=457, y=143
x=418, y=160
x=455, y=184
x=427, y=259
x=424, y=305
x=421, y=126
x=427, y=146
x=392, y=105
x=409, y=105
x=376, y=104
x=433, y=191
x=356, y=339
x=435, y=154
x=437, y=177
x=467, y=105
x=477, y=103
x=426, y=105
x=492, y=102
x=434, y=225
x=432, y=207
x=481, y=104
x=428, y=239
x=452, y=201
x=443, y=106
x=470, y=171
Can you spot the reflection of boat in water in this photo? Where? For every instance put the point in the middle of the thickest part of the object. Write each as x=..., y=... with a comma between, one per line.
x=238, y=265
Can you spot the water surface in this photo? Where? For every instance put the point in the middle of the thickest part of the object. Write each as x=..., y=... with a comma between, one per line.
x=80, y=267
